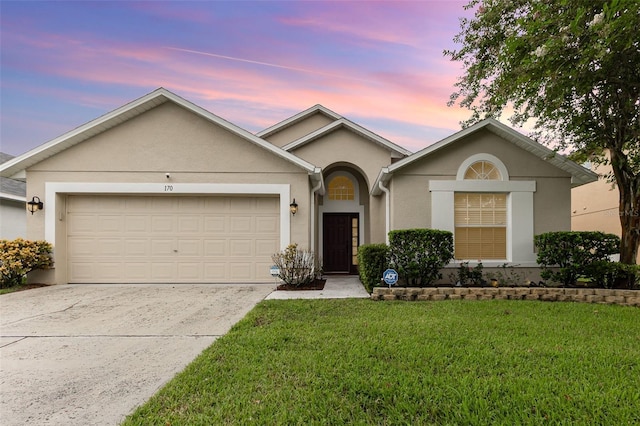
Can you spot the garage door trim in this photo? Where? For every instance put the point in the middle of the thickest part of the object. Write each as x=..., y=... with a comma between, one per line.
x=52, y=189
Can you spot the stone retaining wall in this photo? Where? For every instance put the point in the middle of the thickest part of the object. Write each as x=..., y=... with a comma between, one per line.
x=588, y=295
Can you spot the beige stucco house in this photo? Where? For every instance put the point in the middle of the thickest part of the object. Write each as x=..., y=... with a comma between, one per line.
x=161, y=190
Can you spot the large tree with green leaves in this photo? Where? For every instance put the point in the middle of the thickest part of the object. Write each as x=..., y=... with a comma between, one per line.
x=570, y=67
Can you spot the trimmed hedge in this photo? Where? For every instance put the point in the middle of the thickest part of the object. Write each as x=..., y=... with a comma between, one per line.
x=419, y=254
x=373, y=260
x=575, y=253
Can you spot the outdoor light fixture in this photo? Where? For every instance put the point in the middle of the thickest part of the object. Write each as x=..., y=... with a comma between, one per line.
x=293, y=207
x=34, y=204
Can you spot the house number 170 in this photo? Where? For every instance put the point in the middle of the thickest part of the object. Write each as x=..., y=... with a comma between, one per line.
x=168, y=188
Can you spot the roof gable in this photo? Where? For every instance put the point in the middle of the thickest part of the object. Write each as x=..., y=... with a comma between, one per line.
x=342, y=123
x=579, y=174
x=18, y=165
x=301, y=116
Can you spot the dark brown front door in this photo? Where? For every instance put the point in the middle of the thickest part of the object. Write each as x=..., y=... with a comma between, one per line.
x=339, y=236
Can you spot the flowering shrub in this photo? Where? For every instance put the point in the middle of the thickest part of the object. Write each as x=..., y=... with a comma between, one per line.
x=19, y=257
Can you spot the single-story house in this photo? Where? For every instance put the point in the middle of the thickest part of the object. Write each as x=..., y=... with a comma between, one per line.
x=13, y=220
x=161, y=190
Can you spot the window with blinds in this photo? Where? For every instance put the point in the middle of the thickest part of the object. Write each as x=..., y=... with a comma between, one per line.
x=341, y=188
x=480, y=226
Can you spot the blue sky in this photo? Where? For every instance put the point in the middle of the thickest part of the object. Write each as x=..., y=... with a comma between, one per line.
x=253, y=63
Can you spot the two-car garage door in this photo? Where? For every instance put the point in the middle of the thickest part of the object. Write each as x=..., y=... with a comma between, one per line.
x=171, y=239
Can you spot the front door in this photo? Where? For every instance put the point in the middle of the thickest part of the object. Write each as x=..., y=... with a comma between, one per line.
x=340, y=242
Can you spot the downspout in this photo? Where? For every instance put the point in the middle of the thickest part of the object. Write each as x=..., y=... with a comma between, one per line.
x=387, y=220
x=313, y=214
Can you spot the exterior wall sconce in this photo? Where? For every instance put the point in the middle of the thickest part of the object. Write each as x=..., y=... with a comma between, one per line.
x=34, y=204
x=293, y=207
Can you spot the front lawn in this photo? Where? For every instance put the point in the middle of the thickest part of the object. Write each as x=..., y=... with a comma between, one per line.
x=451, y=362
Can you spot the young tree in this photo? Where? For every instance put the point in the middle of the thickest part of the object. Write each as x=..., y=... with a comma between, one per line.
x=573, y=68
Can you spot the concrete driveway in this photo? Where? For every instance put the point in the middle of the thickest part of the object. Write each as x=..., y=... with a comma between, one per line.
x=90, y=354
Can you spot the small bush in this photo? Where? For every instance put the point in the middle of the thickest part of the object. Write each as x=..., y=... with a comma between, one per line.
x=419, y=254
x=507, y=276
x=372, y=262
x=628, y=276
x=603, y=273
x=297, y=267
x=19, y=257
x=573, y=252
x=469, y=276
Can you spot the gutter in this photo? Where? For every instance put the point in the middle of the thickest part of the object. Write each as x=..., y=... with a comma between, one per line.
x=387, y=219
x=314, y=190
x=319, y=188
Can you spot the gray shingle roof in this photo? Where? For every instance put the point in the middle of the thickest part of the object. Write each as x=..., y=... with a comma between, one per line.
x=11, y=186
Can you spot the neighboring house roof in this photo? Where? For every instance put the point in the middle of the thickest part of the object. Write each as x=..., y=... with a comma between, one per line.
x=298, y=118
x=349, y=125
x=16, y=166
x=579, y=174
x=11, y=189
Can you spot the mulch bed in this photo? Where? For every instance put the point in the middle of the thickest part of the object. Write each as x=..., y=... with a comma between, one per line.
x=23, y=287
x=316, y=285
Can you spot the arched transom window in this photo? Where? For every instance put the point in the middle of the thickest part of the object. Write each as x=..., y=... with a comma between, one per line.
x=341, y=188
x=482, y=170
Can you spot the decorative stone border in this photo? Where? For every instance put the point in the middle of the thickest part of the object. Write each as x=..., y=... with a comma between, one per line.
x=586, y=295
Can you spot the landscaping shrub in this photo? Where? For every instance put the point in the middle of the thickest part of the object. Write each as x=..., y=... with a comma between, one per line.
x=467, y=275
x=372, y=262
x=19, y=257
x=418, y=254
x=297, y=267
x=603, y=273
x=573, y=253
x=507, y=276
x=628, y=276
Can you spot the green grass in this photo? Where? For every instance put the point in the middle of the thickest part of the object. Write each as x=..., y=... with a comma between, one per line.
x=400, y=363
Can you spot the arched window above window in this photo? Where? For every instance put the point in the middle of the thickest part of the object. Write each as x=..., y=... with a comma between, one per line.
x=482, y=166
x=482, y=170
x=341, y=188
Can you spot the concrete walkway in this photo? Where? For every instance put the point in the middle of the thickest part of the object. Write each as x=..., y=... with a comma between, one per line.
x=336, y=287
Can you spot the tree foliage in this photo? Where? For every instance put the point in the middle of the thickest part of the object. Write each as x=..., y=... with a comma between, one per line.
x=572, y=67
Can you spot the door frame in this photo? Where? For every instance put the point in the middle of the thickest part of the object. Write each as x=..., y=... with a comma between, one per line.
x=353, y=269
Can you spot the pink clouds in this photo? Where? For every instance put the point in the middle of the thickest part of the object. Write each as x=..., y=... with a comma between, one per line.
x=389, y=22
x=381, y=62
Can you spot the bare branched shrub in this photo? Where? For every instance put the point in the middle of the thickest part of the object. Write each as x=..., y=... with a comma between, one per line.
x=297, y=267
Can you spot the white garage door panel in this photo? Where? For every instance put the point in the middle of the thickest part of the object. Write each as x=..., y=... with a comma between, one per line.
x=114, y=239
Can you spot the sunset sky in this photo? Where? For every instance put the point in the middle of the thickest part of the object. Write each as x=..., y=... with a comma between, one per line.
x=253, y=63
